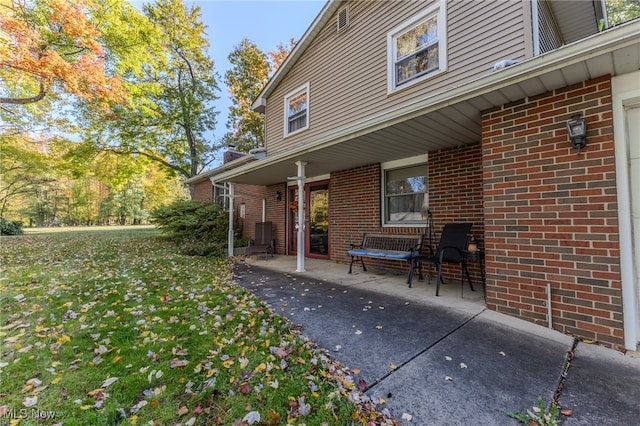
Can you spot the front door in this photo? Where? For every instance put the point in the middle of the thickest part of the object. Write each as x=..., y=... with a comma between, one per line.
x=316, y=219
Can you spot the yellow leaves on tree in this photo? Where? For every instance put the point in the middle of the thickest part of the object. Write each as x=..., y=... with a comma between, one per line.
x=49, y=43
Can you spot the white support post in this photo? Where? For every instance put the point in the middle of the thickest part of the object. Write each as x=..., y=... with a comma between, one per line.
x=230, y=238
x=301, y=228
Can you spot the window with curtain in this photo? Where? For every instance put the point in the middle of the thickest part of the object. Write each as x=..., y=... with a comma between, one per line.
x=406, y=195
x=296, y=106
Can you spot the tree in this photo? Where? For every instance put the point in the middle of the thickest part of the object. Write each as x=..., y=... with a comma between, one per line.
x=278, y=56
x=620, y=11
x=171, y=104
x=250, y=72
x=52, y=45
x=246, y=78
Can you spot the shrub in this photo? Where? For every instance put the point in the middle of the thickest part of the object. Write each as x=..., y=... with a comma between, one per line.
x=10, y=227
x=197, y=228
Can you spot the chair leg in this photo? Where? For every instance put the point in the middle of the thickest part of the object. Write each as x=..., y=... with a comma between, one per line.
x=464, y=265
x=351, y=264
x=364, y=268
x=439, y=279
x=414, y=264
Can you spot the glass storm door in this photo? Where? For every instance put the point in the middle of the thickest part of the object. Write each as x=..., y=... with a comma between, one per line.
x=317, y=219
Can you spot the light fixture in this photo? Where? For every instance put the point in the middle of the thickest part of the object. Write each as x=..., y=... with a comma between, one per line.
x=577, y=129
x=278, y=195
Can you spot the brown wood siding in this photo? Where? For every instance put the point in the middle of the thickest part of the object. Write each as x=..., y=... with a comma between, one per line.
x=347, y=71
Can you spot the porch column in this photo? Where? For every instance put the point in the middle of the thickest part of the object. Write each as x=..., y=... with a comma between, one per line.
x=301, y=179
x=230, y=237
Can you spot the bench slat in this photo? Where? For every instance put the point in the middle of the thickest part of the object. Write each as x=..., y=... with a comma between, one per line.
x=387, y=246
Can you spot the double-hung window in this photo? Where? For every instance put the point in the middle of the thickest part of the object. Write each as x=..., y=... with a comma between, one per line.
x=296, y=106
x=417, y=49
x=405, y=192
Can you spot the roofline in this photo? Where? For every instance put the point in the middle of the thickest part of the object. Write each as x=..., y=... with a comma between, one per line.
x=605, y=42
x=307, y=38
x=213, y=172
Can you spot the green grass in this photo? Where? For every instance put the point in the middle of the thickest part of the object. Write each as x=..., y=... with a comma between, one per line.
x=114, y=327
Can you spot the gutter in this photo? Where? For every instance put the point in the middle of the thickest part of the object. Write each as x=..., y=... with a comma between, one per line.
x=214, y=172
x=596, y=45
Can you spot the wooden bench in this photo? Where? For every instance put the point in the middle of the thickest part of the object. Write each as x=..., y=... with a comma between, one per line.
x=388, y=247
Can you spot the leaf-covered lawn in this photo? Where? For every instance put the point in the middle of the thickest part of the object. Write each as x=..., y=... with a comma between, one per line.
x=115, y=327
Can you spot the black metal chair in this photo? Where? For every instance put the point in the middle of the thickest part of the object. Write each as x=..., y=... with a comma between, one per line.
x=451, y=249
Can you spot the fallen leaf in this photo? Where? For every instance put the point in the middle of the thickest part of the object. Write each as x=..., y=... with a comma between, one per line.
x=109, y=382
x=448, y=378
x=245, y=388
x=362, y=384
x=182, y=411
x=463, y=365
x=393, y=366
x=406, y=416
x=566, y=412
x=30, y=401
x=251, y=417
x=179, y=363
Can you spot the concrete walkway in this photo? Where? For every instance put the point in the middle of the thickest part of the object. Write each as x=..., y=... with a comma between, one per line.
x=444, y=360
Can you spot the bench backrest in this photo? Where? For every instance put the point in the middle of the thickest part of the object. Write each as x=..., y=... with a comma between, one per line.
x=391, y=242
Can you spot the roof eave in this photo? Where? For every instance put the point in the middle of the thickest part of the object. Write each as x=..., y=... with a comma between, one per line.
x=601, y=43
x=307, y=38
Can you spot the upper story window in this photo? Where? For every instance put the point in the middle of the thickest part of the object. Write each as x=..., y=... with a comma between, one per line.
x=405, y=191
x=296, y=106
x=417, y=49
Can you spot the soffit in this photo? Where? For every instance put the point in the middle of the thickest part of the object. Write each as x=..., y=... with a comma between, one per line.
x=449, y=119
x=577, y=19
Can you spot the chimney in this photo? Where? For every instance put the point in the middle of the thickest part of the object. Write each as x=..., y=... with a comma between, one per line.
x=231, y=154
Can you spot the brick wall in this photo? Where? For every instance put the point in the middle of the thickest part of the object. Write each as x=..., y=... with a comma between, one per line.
x=251, y=196
x=203, y=191
x=455, y=195
x=551, y=214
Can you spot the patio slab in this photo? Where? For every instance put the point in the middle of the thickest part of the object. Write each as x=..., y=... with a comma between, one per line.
x=442, y=360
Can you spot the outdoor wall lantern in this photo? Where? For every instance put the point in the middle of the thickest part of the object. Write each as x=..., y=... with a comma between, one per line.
x=577, y=129
x=278, y=195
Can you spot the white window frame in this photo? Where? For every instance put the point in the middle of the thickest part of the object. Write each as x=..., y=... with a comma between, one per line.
x=439, y=10
x=221, y=195
x=394, y=165
x=300, y=90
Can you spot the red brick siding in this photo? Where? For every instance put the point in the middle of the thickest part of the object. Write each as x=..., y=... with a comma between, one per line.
x=251, y=196
x=203, y=191
x=276, y=213
x=455, y=194
x=551, y=215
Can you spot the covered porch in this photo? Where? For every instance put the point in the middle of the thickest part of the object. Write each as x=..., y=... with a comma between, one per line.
x=393, y=283
x=512, y=121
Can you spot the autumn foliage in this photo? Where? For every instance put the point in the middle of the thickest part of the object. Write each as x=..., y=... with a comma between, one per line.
x=52, y=43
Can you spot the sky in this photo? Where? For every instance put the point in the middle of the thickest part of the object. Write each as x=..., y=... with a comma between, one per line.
x=266, y=23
